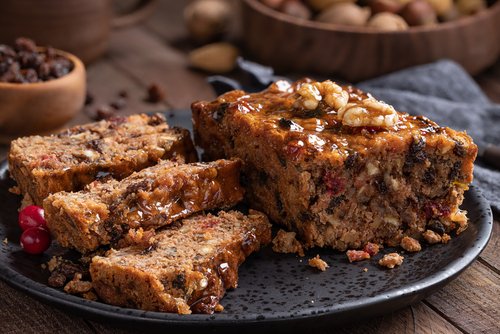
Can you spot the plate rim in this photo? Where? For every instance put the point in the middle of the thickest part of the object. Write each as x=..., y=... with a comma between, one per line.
x=99, y=310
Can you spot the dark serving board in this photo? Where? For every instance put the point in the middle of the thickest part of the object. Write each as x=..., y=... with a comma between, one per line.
x=278, y=292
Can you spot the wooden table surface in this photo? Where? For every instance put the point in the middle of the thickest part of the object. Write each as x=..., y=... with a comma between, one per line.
x=156, y=52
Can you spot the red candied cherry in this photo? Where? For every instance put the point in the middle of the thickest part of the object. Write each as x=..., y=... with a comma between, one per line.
x=35, y=240
x=32, y=216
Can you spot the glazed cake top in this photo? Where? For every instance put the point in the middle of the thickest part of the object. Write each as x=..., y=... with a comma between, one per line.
x=325, y=119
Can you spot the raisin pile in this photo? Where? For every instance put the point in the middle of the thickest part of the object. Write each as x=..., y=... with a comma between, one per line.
x=25, y=63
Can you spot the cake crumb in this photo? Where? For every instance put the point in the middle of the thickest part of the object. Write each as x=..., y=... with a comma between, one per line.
x=431, y=237
x=219, y=308
x=365, y=270
x=90, y=295
x=53, y=263
x=391, y=260
x=357, y=255
x=410, y=244
x=318, y=263
x=285, y=242
x=5, y=241
x=15, y=190
x=44, y=266
x=77, y=286
x=445, y=238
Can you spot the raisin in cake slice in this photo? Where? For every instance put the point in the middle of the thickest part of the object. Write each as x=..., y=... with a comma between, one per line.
x=185, y=268
x=104, y=212
x=73, y=158
x=338, y=166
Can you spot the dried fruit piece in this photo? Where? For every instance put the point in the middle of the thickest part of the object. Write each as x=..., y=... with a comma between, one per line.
x=357, y=255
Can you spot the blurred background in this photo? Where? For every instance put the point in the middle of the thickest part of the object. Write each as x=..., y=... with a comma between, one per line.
x=155, y=55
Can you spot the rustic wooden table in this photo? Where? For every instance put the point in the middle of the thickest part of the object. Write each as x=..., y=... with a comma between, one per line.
x=156, y=52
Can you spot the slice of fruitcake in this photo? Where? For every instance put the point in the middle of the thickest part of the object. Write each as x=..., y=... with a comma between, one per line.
x=75, y=157
x=184, y=268
x=338, y=166
x=104, y=212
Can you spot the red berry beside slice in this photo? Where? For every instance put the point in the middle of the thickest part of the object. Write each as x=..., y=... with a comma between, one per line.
x=32, y=216
x=35, y=240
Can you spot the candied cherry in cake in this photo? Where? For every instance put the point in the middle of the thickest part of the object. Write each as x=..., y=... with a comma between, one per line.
x=32, y=216
x=35, y=240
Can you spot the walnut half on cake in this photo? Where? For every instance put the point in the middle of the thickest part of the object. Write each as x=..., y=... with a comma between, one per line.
x=338, y=166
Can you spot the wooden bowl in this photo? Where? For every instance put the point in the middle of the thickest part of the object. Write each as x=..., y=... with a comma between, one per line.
x=38, y=108
x=357, y=53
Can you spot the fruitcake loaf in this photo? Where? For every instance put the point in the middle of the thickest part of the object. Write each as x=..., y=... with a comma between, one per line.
x=75, y=157
x=338, y=166
x=185, y=267
x=156, y=196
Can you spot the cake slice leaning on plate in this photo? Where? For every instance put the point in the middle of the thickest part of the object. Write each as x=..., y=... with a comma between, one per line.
x=338, y=166
x=104, y=212
x=184, y=268
x=75, y=157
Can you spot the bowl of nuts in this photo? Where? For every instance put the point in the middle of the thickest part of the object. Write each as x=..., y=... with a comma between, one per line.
x=41, y=89
x=357, y=40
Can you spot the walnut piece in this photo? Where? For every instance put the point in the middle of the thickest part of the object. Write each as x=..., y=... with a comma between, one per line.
x=310, y=94
x=368, y=112
x=391, y=260
x=410, y=245
x=431, y=237
x=318, y=263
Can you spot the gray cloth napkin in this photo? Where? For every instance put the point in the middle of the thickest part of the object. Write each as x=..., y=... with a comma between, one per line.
x=446, y=94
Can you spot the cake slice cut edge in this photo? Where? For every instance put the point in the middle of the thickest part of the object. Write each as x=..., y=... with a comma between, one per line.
x=185, y=268
x=75, y=157
x=104, y=212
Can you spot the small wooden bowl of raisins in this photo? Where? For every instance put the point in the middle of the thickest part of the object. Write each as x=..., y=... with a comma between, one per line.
x=41, y=89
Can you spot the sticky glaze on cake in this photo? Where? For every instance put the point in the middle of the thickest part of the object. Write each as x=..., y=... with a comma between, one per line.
x=337, y=166
x=156, y=196
x=185, y=268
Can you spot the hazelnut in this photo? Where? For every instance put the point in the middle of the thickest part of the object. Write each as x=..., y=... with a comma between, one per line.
x=207, y=20
x=275, y=4
x=381, y=6
x=214, y=58
x=469, y=7
x=441, y=6
x=345, y=13
x=451, y=15
x=296, y=8
x=319, y=5
x=419, y=12
x=387, y=22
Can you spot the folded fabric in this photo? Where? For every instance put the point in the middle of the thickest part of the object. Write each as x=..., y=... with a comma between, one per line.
x=445, y=93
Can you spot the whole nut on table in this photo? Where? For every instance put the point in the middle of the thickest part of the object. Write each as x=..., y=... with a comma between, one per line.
x=214, y=58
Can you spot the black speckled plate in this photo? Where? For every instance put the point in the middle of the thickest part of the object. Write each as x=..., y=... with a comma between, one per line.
x=276, y=291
